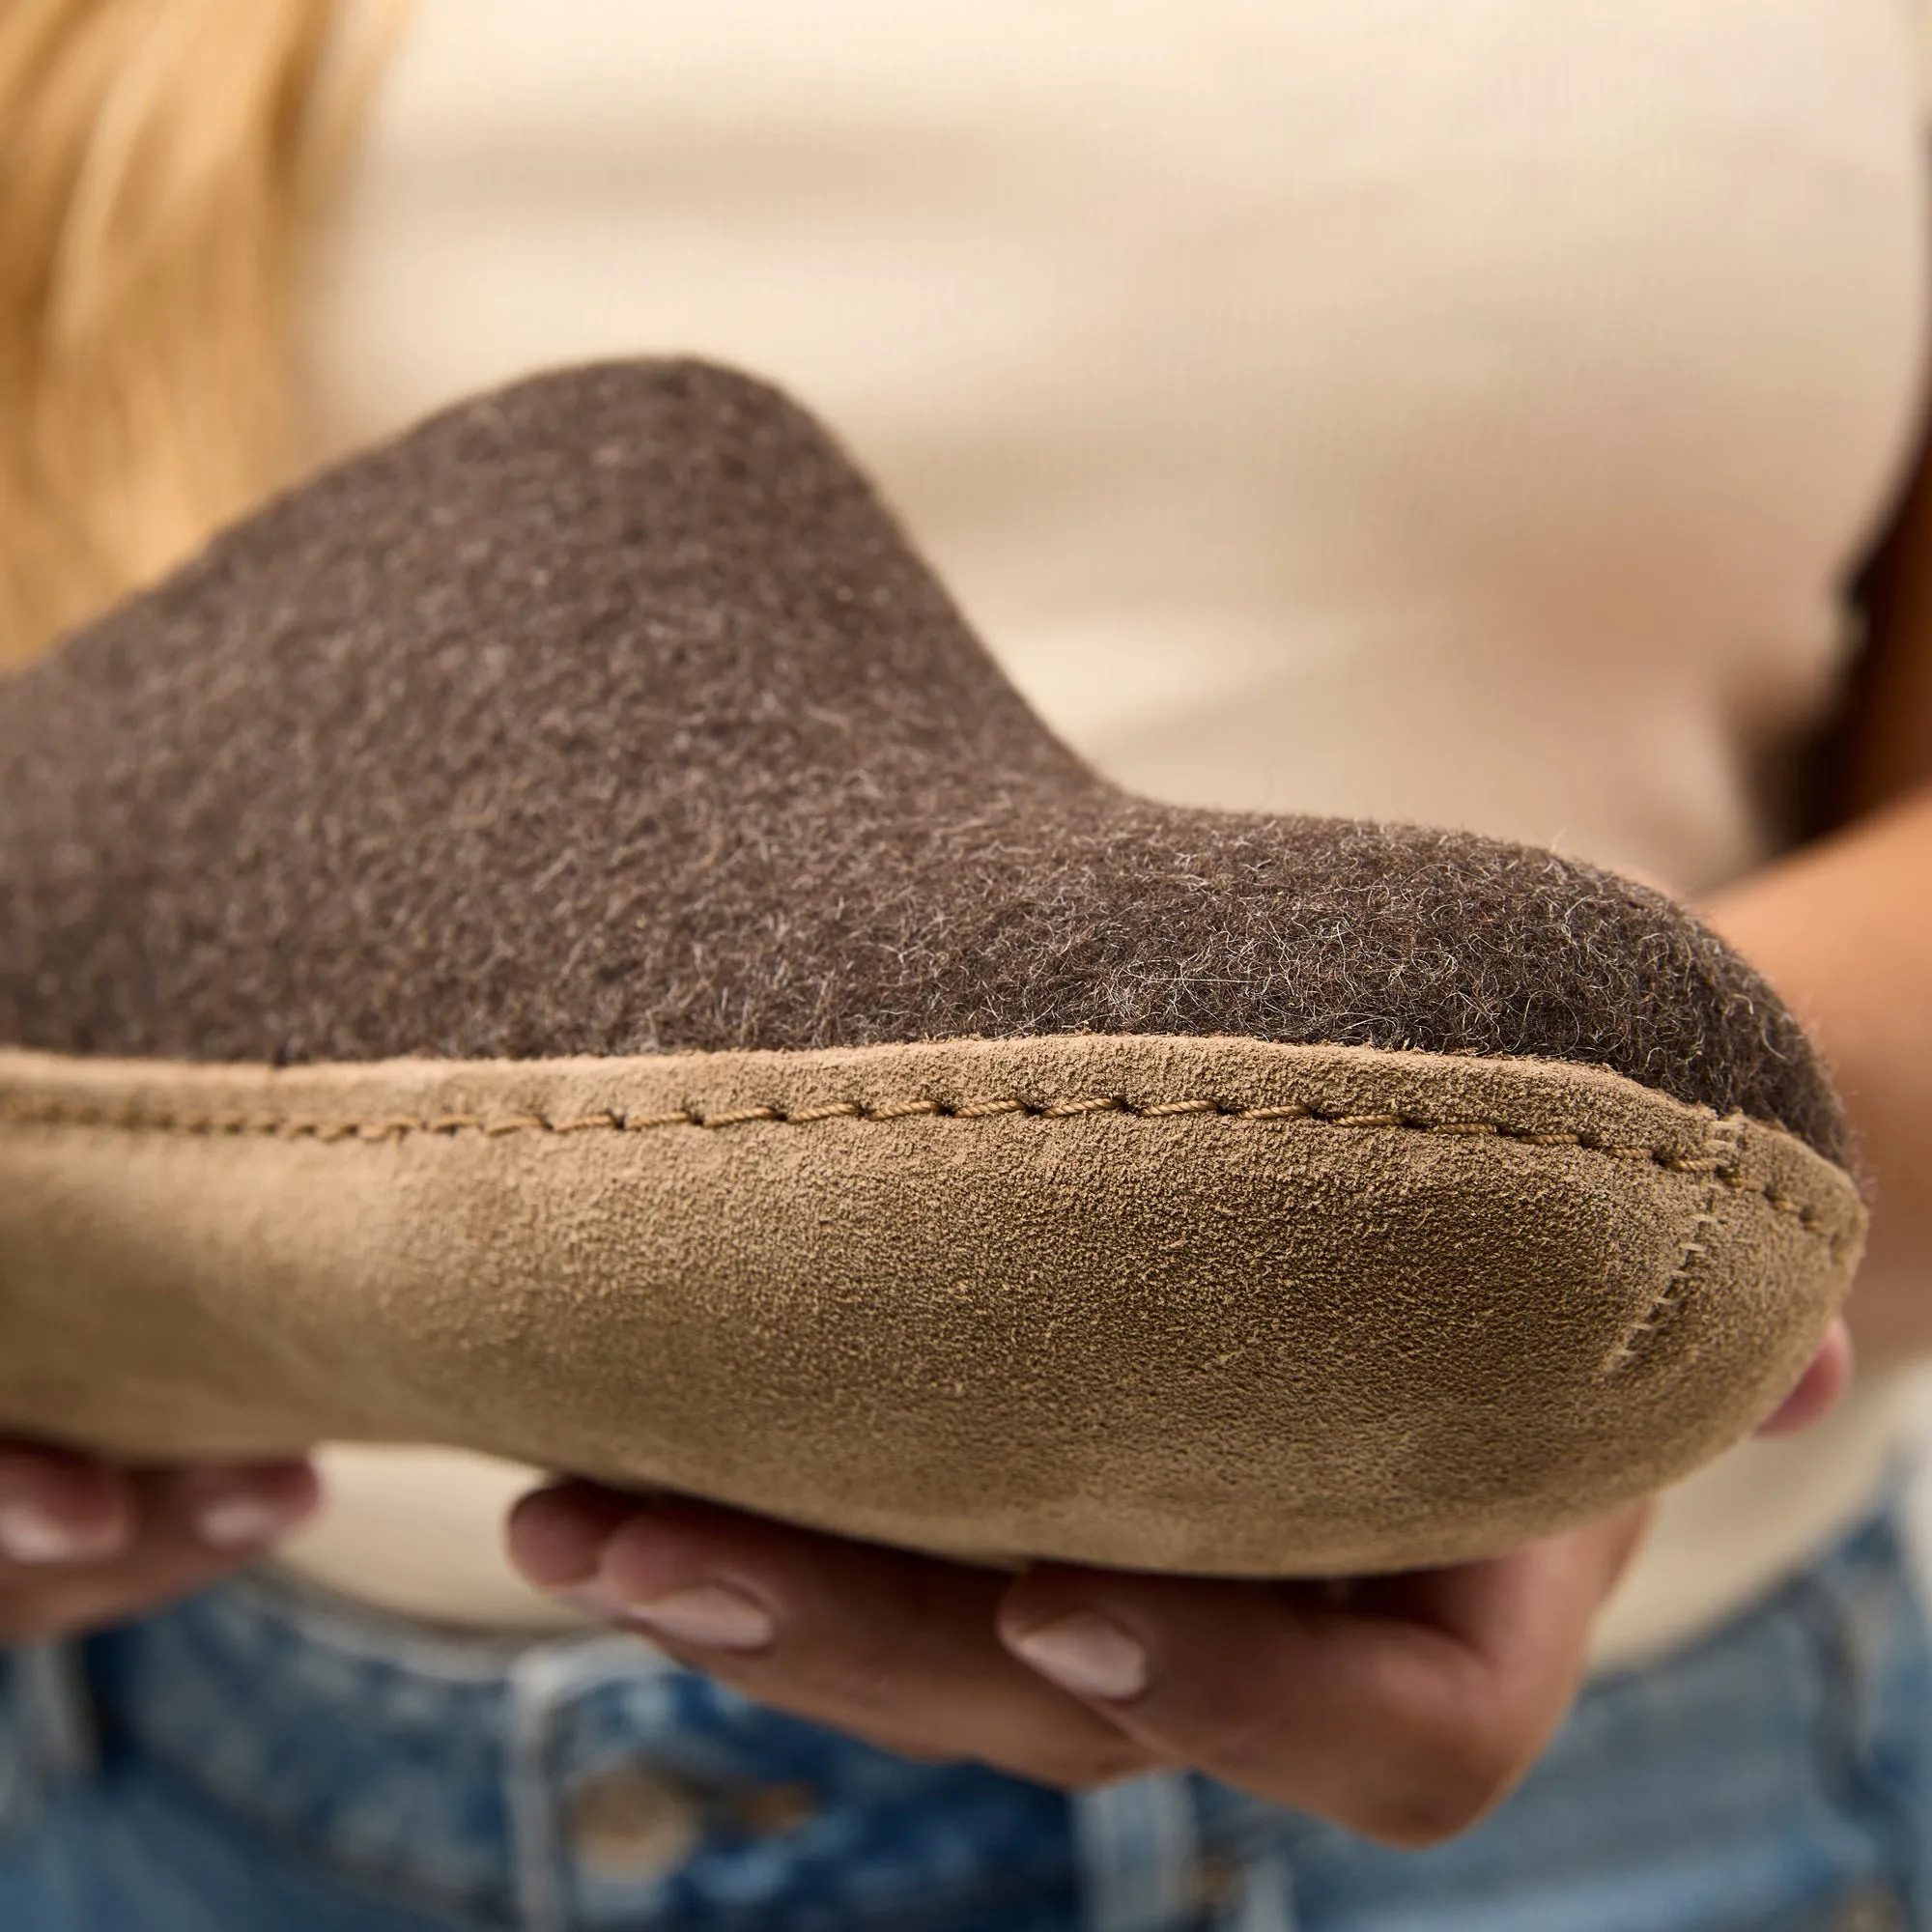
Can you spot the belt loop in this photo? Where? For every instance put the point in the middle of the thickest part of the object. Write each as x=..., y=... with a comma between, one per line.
x=542, y=1682
x=55, y=1711
x=49, y=1735
x=1139, y=1851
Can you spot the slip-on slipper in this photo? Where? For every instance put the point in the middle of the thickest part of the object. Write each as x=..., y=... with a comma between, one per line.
x=554, y=938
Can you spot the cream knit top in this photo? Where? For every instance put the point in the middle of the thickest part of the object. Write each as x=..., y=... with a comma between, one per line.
x=1461, y=412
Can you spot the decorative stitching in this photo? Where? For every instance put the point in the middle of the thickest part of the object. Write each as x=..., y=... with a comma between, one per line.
x=51, y=1111
x=1671, y=1295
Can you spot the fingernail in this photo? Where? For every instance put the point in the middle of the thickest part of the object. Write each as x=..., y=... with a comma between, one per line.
x=30, y=1535
x=1087, y=1654
x=593, y=1601
x=242, y=1520
x=713, y=1616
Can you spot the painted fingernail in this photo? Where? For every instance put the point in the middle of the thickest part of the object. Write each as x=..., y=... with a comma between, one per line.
x=713, y=1616
x=242, y=1520
x=31, y=1535
x=1087, y=1654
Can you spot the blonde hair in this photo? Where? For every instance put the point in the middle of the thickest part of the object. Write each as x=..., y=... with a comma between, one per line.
x=160, y=160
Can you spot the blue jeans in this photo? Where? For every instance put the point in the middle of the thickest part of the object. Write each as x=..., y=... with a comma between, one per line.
x=265, y=1758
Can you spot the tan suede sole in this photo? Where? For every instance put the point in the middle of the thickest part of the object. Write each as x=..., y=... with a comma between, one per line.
x=1215, y=1304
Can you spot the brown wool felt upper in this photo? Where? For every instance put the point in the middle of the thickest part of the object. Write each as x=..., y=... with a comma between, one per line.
x=609, y=722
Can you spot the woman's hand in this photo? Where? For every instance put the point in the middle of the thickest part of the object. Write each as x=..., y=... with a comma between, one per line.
x=84, y=1543
x=1402, y=1707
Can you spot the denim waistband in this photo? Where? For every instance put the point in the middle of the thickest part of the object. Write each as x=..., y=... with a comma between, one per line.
x=585, y=1784
x=576, y=1783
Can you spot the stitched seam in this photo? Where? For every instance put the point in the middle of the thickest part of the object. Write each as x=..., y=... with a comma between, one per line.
x=1671, y=1296
x=50, y=1111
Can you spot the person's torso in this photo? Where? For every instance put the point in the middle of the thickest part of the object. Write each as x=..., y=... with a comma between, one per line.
x=1463, y=414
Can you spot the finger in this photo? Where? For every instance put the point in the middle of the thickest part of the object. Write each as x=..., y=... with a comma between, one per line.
x=188, y=1528
x=57, y=1507
x=896, y=1648
x=556, y=1535
x=230, y=1508
x=1403, y=1709
x=1817, y=1390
